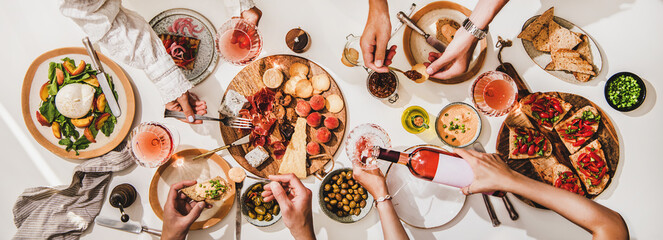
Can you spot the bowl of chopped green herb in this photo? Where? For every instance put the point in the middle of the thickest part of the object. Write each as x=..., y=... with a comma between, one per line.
x=625, y=91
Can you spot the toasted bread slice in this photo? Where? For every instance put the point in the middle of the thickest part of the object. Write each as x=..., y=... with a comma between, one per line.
x=569, y=129
x=586, y=54
x=541, y=42
x=446, y=30
x=562, y=177
x=570, y=60
x=527, y=103
x=560, y=37
x=189, y=43
x=543, y=166
x=534, y=28
x=209, y=191
x=594, y=178
x=527, y=137
x=582, y=77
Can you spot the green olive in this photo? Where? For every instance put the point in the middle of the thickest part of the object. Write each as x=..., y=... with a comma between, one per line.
x=339, y=197
x=276, y=210
x=357, y=211
x=351, y=182
x=355, y=186
x=362, y=204
x=348, y=196
x=268, y=205
x=344, y=185
x=329, y=206
x=364, y=196
x=339, y=213
x=327, y=187
x=256, y=188
x=335, y=177
x=339, y=181
x=343, y=192
x=345, y=201
x=353, y=204
x=260, y=217
x=336, y=190
x=260, y=210
x=330, y=195
x=252, y=214
x=326, y=199
x=268, y=217
x=250, y=205
x=346, y=208
x=360, y=190
x=333, y=202
x=349, y=175
x=343, y=173
x=335, y=186
x=339, y=205
x=356, y=198
x=350, y=190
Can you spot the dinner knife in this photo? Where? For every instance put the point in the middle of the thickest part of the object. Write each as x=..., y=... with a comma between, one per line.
x=244, y=140
x=431, y=40
x=131, y=227
x=101, y=77
x=238, y=211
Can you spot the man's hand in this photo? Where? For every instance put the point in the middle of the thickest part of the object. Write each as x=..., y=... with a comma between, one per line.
x=295, y=204
x=179, y=212
x=490, y=172
x=190, y=104
x=455, y=59
x=376, y=36
x=372, y=180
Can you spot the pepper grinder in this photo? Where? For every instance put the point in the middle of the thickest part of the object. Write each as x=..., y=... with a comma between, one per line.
x=298, y=40
x=121, y=197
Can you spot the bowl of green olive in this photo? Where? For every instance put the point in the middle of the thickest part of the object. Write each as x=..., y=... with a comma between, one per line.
x=343, y=199
x=255, y=210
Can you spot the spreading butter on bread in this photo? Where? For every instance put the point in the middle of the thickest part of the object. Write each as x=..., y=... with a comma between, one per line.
x=209, y=191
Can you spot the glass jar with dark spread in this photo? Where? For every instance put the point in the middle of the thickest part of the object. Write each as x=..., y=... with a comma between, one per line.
x=383, y=85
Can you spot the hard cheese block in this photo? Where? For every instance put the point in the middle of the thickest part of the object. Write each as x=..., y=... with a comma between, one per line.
x=294, y=159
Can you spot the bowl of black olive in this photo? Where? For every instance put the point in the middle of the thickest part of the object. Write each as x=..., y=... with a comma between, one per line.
x=342, y=198
x=256, y=210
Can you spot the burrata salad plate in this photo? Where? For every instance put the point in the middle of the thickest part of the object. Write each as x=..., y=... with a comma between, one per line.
x=65, y=109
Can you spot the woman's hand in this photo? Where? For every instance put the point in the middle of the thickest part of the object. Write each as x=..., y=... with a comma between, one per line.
x=375, y=38
x=372, y=180
x=190, y=104
x=252, y=15
x=455, y=59
x=490, y=172
x=295, y=204
x=179, y=212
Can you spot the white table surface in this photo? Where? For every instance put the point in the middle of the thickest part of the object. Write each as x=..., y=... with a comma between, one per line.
x=627, y=32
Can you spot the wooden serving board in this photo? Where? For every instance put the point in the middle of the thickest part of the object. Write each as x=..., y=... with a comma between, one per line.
x=606, y=135
x=249, y=80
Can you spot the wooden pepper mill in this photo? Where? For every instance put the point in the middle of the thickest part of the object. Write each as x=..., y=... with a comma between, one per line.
x=298, y=40
x=123, y=196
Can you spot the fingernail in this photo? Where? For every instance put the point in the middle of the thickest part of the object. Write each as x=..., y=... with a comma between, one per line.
x=378, y=63
x=190, y=118
x=429, y=71
x=200, y=204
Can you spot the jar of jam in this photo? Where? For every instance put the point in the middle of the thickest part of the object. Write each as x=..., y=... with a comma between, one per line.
x=383, y=86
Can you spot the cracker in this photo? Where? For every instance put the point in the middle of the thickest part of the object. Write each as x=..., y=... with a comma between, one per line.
x=272, y=78
x=533, y=29
x=298, y=69
x=334, y=103
x=321, y=82
x=304, y=89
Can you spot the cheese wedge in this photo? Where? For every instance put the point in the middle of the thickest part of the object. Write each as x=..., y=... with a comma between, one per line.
x=294, y=159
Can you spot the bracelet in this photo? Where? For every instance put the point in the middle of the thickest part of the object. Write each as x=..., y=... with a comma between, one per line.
x=382, y=199
x=473, y=29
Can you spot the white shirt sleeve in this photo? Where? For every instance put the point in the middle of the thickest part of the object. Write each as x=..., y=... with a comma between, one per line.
x=128, y=37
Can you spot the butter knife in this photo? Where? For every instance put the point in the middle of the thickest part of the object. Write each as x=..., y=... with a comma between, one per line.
x=238, y=211
x=131, y=227
x=101, y=76
x=431, y=40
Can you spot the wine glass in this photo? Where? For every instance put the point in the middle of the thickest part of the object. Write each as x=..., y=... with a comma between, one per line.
x=152, y=144
x=238, y=41
x=360, y=142
x=494, y=93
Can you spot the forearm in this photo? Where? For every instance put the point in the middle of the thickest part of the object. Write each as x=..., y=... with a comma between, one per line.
x=378, y=7
x=602, y=222
x=485, y=11
x=391, y=225
x=305, y=232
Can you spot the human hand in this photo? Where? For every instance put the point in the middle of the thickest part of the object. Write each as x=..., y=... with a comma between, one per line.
x=490, y=172
x=179, y=212
x=375, y=38
x=252, y=15
x=455, y=59
x=190, y=104
x=372, y=180
x=295, y=204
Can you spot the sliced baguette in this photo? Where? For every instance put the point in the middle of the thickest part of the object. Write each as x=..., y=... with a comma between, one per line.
x=197, y=192
x=561, y=127
x=534, y=28
x=591, y=189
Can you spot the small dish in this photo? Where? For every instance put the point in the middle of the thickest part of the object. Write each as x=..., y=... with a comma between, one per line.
x=641, y=97
x=346, y=219
x=408, y=117
x=473, y=112
x=245, y=210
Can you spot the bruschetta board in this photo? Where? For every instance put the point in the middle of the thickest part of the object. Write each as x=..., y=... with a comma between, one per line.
x=583, y=126
x=272, y=78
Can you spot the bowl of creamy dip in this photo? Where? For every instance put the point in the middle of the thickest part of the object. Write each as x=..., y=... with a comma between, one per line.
x=458, y=125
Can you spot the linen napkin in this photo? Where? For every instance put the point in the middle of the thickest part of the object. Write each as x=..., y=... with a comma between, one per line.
x=64, y=212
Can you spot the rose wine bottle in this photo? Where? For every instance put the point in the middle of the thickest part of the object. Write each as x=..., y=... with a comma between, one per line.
x=431, y=164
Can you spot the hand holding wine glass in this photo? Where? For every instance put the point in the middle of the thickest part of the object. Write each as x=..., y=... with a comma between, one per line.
x=372, y=180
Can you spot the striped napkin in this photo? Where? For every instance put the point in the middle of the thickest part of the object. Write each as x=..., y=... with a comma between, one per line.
x=64, y=212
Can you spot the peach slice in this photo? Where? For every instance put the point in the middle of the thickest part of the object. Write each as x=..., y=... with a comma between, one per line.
x=100, y=103
x=56, y=130
x=101, y=120
x=92, y=81
x=43, y=92
x=82, y=122
x=88, y=134
x=42, y=120
x=59, y=75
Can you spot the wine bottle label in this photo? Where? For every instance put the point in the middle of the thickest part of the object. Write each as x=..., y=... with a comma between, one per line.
x=453, y=171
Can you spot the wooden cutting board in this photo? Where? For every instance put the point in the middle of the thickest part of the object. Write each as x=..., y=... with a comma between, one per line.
x=606, y=135
x=249, y=80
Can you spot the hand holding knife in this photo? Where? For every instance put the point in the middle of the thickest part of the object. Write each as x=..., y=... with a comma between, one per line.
x=101, y=76
x=431, y=40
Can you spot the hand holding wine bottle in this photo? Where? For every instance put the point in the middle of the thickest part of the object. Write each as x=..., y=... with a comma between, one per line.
x=372, y=180
x=490, y=172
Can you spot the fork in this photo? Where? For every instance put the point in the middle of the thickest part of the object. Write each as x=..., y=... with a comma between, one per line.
x=234, y=122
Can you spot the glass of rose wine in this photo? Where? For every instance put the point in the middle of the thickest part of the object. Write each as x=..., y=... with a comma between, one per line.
x=361, y=141
x=494, y=93
x=238, y=41
x=152, y=144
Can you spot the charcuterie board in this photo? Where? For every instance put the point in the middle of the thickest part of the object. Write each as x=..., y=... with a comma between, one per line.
x=605, y=134
x=249, y=81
